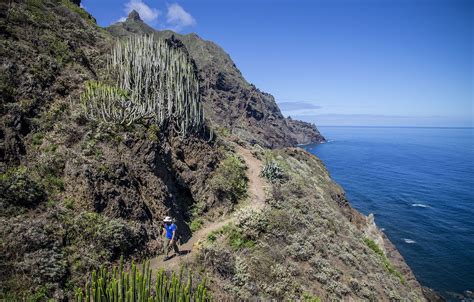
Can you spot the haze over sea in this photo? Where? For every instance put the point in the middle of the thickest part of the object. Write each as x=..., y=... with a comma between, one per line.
x=419, y=184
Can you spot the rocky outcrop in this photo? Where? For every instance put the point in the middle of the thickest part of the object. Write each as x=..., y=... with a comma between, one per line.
x=229, y=100
x=304, y=132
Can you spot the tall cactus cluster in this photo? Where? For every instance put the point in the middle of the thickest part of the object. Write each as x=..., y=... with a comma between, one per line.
x=146, y=78
x=135, y=286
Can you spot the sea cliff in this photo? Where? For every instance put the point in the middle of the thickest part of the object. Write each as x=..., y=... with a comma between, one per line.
x=77, y=193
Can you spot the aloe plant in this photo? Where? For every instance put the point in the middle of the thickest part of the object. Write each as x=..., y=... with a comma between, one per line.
x=146, y=78
x=118, y=285
x=272, y=171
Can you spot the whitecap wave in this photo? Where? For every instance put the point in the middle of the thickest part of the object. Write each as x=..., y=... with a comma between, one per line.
x=420, y=205
x=409, y=241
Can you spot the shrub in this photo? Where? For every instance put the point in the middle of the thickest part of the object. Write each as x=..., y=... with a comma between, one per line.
x=272, y=171
x=19, y=188
x=37, y=139
x=230, y=180
x=237, y=238
x=212, y=236
x=52, y=182
x=106, y=237
x=196, y=224
x=242, y=279
x=252, y=222
x=300, y=249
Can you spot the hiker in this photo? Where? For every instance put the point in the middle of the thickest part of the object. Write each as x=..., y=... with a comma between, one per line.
x=169, y=231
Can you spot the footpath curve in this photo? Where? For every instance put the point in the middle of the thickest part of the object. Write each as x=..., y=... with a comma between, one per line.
x=255, y=200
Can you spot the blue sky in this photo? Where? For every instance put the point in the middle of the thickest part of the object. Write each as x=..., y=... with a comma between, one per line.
x=339, y=62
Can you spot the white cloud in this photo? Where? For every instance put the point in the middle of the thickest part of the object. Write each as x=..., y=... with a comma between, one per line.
x=147, y=13
x=178, y=18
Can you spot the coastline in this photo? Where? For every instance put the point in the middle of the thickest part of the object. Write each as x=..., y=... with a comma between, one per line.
x=397, y=180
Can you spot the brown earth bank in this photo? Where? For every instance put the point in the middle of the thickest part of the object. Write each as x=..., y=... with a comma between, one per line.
x=75, y=193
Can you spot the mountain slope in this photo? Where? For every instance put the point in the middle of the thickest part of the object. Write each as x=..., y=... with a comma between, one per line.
x=76, y=194
x=230, y=101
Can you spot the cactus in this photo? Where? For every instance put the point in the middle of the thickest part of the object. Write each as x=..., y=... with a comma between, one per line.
x=118, y=285
x=146, y=79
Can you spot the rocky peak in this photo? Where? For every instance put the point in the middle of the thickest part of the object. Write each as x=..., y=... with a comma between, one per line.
x=134, y=16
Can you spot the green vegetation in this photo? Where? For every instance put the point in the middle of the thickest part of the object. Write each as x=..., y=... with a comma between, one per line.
x=152, y=132
x=387, y=264
x=78, y=10
x=38, y=12
x=373, y=246
x=60, y=51
x=237, y=239
x=148, y=79
x=230, y=180
x=212, y=236
x=196, y=224
x=307, y=297
x=37, y=139
x=19, y=188
x=120, y=285
x=222, y=131
x=54, y=182
x=111, y=236
x=69, y=203
x=272, y=171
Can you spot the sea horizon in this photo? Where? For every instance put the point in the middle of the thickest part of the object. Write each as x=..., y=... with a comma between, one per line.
x=370, y=126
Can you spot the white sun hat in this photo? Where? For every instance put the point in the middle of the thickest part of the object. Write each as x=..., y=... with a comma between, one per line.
x=167, y=219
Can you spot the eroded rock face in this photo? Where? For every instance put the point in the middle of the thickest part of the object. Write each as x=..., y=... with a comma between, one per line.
x=304, y=132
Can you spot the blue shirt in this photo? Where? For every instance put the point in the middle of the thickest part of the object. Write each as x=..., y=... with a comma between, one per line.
x=170, y=229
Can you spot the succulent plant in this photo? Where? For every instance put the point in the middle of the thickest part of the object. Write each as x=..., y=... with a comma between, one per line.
x=272, y=171
x=119, y=285
x=147, y=78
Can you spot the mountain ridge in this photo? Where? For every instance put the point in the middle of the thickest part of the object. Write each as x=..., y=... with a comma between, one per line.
x=230, y=101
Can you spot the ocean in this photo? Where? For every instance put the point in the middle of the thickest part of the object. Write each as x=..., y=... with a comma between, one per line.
x=419, y=183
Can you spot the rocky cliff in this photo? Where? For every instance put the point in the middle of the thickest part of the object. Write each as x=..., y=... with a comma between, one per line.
x=77, y=193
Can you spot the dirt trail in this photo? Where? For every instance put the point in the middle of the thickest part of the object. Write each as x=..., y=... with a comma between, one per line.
x=256, y=183
x=256, y=200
